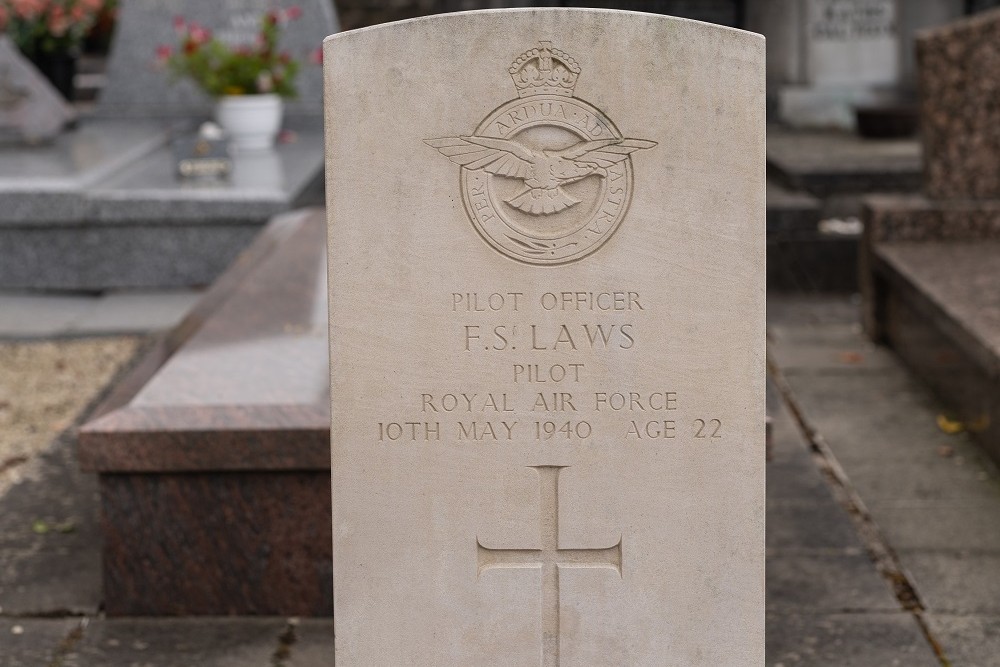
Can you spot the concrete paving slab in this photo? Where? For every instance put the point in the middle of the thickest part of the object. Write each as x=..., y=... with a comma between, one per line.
x=812, y=309
x=32, y=642
x=831, y=583
x=795, y=478
x=969, y=641
x=943, y=480
x=953, y=582
x=50, y=546
x=27, y=316
x=817, y=525
x=866, y=417
x=134, y=312
x=313, y=646
x=832, y=356
x=924, y=526
x=204, y=642
x=889, y=639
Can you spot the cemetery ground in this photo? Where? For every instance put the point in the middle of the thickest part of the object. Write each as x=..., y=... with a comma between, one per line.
x=882, y=530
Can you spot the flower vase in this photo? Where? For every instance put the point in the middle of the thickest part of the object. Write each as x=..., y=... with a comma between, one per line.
x=252, y=122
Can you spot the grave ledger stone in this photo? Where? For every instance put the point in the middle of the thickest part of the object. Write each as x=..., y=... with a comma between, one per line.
x=547, y=336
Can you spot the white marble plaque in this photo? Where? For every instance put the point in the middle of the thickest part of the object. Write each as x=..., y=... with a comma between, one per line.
x=547, y=340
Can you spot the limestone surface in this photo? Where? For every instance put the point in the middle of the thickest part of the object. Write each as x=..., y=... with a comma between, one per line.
x=547, y=328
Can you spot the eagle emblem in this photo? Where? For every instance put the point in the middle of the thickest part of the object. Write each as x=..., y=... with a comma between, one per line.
x=543, y=172
x=547, y=177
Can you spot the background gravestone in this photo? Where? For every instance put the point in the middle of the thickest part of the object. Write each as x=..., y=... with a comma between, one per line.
x=547, y=340
x=30, y=108
x=960, y=108
x=136, y=87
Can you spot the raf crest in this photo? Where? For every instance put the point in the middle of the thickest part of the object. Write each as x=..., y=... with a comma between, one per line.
x=547, y=177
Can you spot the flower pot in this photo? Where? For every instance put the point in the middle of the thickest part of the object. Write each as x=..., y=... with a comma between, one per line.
x=251, y=121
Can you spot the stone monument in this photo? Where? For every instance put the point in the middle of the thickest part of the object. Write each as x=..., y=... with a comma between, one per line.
x=931, y=262
x=546, y=258
x=144, y=24
x=31, y=110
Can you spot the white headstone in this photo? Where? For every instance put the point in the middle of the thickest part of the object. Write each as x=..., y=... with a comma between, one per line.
x=547, y=340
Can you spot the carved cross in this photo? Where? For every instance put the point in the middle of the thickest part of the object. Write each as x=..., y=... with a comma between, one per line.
x=550, y=558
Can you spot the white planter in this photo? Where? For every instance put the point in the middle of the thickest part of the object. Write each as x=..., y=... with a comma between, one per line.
x=251, y=121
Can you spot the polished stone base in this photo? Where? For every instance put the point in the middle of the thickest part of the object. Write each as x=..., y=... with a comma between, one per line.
x=213, y=457
x=931, y=276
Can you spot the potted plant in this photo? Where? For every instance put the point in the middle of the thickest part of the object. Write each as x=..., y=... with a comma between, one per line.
x=249, y=82
x=50, y=33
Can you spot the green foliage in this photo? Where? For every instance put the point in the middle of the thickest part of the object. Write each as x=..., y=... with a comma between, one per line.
x=220, y=69
x=50, y=26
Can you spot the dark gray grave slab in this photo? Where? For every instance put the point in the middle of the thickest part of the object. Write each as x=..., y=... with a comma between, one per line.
x=816, y=179
x=137, y=88
x=826, y=163
x=100, y=208
x=31, y=110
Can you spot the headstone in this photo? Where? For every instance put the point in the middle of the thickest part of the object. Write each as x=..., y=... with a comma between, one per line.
x=827, y=56
x=546, y=255
x=961, y=108
x=849, y=52
x=31, y=110
x=136, y=87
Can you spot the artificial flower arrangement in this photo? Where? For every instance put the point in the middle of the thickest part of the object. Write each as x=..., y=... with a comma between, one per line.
x=221, y=69
x=49, y=26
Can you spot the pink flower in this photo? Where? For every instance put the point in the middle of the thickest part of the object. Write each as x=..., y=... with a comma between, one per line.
x=163, y=53
x=4, y=17
x=316, y=57
x=180, y=26
x=59, y=21
x=28, y=9
x=265, y=82
x=199, y=34
x=294, y=12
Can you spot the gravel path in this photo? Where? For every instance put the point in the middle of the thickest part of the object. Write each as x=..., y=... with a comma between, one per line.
x=44, y=386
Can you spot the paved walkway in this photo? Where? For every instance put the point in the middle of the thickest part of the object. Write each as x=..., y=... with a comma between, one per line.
x=883, y=534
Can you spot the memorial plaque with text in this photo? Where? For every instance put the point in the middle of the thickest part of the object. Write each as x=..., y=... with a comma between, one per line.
x=547, y=340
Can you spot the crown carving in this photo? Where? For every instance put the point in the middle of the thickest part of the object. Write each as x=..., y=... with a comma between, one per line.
x=544, y=71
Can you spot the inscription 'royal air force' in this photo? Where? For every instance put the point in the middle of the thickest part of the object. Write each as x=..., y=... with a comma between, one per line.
x=546, y=178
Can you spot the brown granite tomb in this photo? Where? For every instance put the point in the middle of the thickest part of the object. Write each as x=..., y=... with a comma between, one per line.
x=960, y=107
x=213, y=455
x=931, y=263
